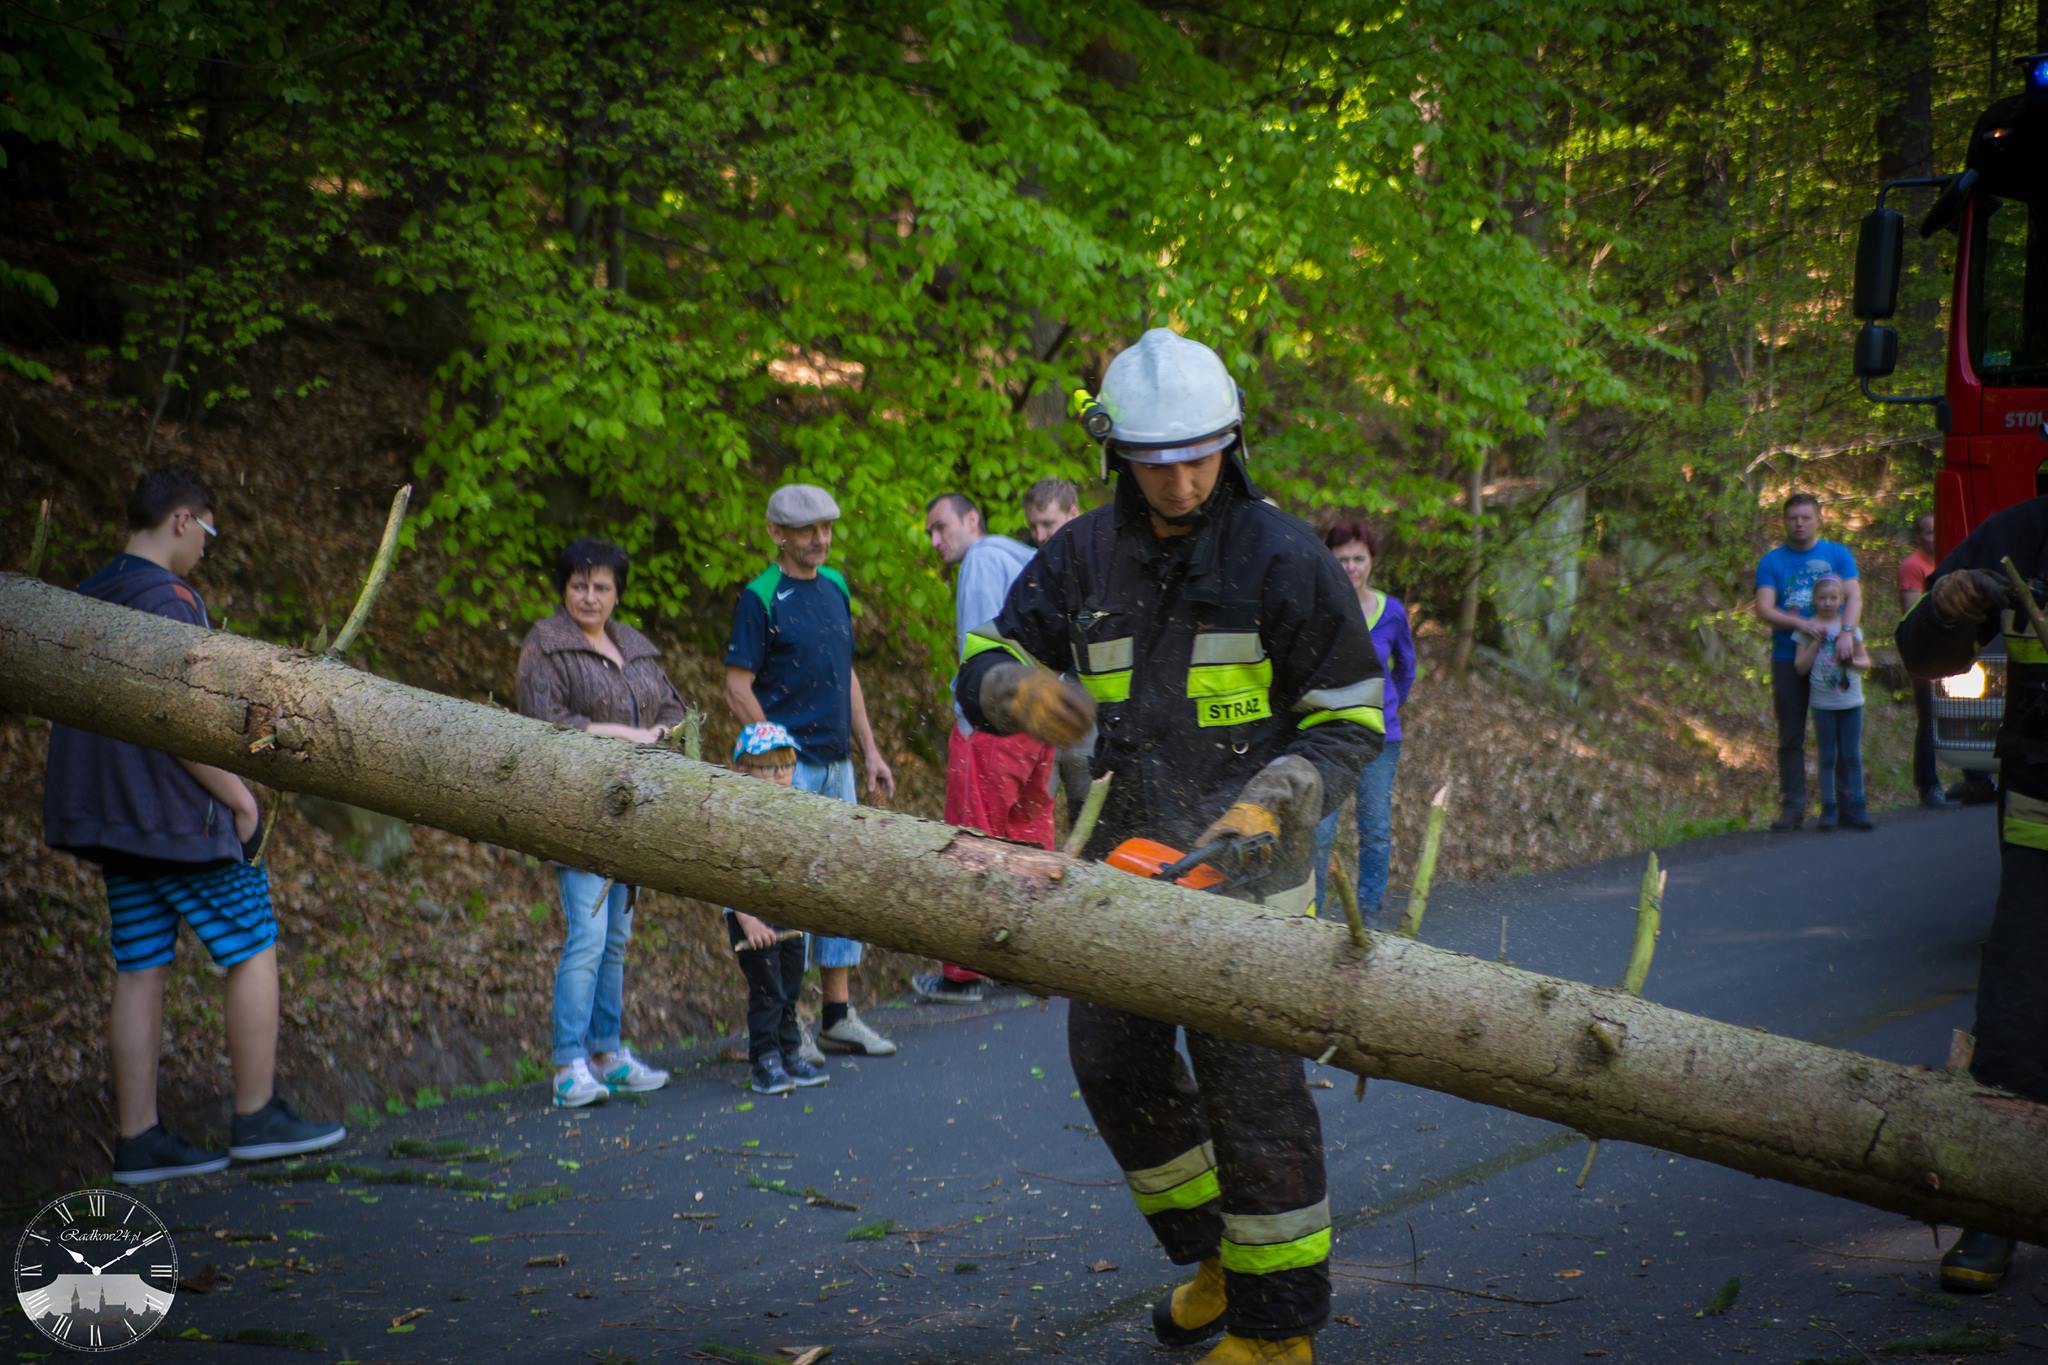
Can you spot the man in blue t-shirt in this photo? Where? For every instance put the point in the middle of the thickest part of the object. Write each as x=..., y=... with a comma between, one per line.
x=790, y=661
x=1784, y=600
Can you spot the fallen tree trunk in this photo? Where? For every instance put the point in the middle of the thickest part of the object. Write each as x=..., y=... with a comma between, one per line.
x=1928, y=1144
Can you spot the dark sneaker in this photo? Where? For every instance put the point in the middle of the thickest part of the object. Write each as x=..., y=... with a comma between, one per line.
x=1826, y=823
x=803, y=1074
x=1933, y=799
x=1857, y=822
x=771, y=1077
x=936, y=988
x=1977, y=1263
x=157, y=1153
x=1786, y=822
x=274, y=1131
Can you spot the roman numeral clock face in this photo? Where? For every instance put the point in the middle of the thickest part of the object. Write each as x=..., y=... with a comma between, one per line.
x=95, y=1270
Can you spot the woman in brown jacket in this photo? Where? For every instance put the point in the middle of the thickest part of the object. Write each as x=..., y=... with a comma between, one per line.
x=581, y=668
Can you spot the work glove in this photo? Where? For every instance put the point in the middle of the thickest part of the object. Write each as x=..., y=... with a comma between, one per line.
x=1284, y=799
x=1038, y=702
x=1967, y=595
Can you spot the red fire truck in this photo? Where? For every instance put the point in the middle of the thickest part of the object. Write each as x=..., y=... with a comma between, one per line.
x=1993, y=410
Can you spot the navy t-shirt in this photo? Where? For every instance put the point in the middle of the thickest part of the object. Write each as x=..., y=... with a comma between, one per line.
x=795, y=635
x=132, y=809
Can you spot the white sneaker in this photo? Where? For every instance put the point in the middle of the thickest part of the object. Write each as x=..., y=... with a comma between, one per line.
x=851, y=1035
x=576, y=1087
x=627, y=1072
x=807, y=1047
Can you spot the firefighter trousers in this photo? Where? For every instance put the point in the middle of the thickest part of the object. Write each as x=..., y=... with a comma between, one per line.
x=2012, y=987
x=1225, y=1162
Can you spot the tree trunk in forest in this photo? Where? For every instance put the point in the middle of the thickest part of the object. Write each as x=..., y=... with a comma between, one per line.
x=1905, y=147
x=1930, y=1144
x=1535, y=571
x=1475, y=570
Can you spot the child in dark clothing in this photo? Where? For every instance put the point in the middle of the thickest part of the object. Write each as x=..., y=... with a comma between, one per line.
x=772, y=962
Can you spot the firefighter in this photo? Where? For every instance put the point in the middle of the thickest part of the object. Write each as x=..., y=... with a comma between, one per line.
x=1967, y=600
x=1221, y=652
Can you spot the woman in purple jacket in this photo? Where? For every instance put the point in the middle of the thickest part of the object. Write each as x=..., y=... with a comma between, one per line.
x=1357, y=546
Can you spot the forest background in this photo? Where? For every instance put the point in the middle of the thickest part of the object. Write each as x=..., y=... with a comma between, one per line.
x=1554, y=292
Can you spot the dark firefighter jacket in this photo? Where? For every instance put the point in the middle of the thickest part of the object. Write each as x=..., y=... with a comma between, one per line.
x=1932, y=649
x=1210, y=655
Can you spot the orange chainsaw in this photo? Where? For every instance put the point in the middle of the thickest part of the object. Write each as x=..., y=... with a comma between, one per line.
x=1221, y=866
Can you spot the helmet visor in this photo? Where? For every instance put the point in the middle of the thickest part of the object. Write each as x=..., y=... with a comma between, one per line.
x=1194, y=450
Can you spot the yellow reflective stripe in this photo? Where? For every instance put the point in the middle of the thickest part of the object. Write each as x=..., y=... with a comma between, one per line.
x=1313, y=1249
x=2026, y=821
x=1222, y=680
x=1262, y=1243
x=1108, y=686
x=1186, y=1182
x=982, y=644
x=1108, y=656
x=1227, y=647
x=1299, y=900
x=1185, y=1167
x=1371, y=717
x=2025, y=649
x=1239, y=709
x=985, y=637
x=1192, y=1195
x=1371, y=692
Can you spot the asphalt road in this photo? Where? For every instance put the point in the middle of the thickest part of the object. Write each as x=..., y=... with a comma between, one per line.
x=989, y=1222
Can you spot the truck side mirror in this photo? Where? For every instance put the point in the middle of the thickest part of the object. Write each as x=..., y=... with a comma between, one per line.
x=1877, y=350
x=1880, y=247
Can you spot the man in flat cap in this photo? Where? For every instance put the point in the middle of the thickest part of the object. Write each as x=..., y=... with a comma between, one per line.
x=790, y=661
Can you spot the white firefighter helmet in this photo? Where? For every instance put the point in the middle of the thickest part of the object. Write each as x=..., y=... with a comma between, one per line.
x=1168, y=399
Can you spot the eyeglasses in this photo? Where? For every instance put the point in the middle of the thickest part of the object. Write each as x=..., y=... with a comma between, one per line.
x=200, y=522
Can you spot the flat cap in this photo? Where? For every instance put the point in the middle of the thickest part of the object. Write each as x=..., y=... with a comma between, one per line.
x=801, y=504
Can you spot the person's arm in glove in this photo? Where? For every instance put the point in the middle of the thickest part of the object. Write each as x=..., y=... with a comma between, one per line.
x=1054, y=710
x=1283, y=799
x=1941, y=635
x=1967, y=596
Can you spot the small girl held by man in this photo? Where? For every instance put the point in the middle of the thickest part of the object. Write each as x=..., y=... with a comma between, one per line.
x=1835, y=692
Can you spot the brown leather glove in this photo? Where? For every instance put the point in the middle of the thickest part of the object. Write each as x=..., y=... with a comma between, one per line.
x=1967, y=595
x=1241, y=821
x=1040, y=703
x=1283, y=799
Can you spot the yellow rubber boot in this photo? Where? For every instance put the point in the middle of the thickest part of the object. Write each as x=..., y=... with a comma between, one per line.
x=1237, y=1350
x=1194, y=1311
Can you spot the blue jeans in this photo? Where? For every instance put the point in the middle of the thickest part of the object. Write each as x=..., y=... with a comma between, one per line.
x=1375, y=831
x=1841, y=761
x=590, y=983
x=835, y=780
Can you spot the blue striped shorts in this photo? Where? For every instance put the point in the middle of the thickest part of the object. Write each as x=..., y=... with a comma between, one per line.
x=228, y=908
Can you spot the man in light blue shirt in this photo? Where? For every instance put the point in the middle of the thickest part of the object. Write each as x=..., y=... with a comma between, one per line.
x=1784, y=601
x=998, y=784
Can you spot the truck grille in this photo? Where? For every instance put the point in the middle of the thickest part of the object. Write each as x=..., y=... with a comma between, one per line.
x=1970, y=725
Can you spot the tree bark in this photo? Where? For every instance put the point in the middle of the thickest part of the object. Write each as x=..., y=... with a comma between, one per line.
x=1930, y=1144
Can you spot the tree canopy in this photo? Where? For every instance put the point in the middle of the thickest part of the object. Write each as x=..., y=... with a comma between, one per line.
x=661, y=258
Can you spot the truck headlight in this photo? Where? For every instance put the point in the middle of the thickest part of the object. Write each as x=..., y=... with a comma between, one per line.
x=1965, y=686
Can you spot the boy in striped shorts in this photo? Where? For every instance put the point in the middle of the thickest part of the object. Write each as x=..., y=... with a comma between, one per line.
x=176, y=842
